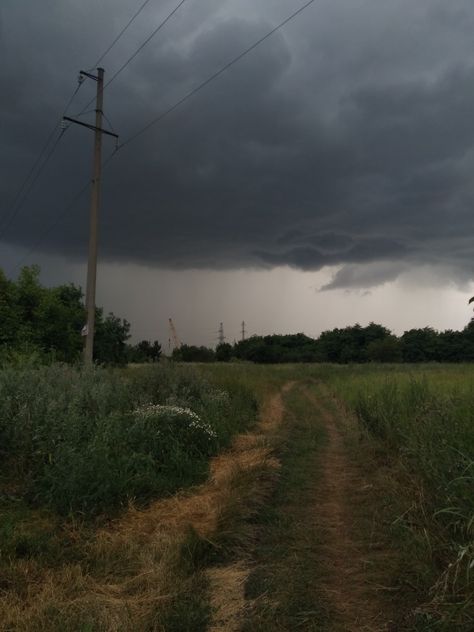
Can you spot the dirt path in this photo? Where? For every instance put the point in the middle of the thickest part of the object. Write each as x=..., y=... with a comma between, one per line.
x=352, y=564
x=240, y=481
x=227, y=583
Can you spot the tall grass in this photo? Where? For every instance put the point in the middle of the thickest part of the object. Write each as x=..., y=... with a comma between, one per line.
x=426, y=419
x=89, y=440
x=146, y=569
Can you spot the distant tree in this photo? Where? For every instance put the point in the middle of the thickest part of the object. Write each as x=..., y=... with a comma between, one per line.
x=467, y=353
x=191, y=353
x=387, y=349
x=420, y=345
x=351, y=343
x=144, y=351
x=29, y=295
x=223, y=352
x=277, y=348
x=155, y=354
x=9, y=312
x=110, y=342
x=452, y=346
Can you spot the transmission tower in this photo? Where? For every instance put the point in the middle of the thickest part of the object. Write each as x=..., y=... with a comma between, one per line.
x=243, y=330
x=221, y=334
x=174, y=335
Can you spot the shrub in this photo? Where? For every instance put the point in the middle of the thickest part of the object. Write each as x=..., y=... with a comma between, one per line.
x=89, y=439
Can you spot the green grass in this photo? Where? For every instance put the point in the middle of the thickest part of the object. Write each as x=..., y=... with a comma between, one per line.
x=286, y=557
x=422, y=418
x=71, y=439
x=75, y=453
x=72, y=448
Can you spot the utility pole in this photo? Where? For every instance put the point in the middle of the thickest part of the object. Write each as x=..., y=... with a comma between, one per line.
x=95, y=201
x=243, y=330
x=221, y=334
x=89, y=329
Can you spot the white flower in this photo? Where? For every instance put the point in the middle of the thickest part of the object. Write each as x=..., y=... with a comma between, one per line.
x=183, y=415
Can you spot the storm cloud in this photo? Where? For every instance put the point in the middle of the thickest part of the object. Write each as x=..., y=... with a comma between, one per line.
x=345, y=140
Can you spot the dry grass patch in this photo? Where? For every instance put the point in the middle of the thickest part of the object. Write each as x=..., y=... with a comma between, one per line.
x=146, y=570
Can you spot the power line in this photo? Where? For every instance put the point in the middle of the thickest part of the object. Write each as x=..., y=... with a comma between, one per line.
x=125, y=28
x=24, y=185
x=141, y=47
x=9, y=220
x=21, y=196
x=215, y=75
x=50, y=227
x=174, y=107
x=58, y=219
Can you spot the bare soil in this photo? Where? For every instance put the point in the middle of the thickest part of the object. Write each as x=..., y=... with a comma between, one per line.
x=352, y=562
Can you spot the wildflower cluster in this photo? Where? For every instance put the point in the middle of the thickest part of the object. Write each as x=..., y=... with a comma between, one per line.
x=176, y=413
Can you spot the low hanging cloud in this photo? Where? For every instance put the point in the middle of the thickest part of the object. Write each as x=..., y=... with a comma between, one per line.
x=344, y=140
x=356, y=277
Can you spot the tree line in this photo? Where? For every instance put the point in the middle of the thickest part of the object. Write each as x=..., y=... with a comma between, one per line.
x=48, y=322
x=353, y=344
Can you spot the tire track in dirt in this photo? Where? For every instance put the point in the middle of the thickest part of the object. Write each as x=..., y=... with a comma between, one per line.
x=351, y=569
x=227, y=583
x=208, y=510
x=200, y=508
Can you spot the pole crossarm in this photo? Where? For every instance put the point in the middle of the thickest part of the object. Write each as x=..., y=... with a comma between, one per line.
x=92, y=127
x=88, y=74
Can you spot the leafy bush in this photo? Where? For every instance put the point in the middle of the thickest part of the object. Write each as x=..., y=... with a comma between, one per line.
x=89, y=439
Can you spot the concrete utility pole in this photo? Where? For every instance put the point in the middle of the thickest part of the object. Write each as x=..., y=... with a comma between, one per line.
x=89, y=329
x=95, y=201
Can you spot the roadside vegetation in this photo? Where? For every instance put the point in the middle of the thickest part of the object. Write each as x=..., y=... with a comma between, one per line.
x=149, y=498
x=89, y=440
x=82, y=447
x=421, y=422
x=45, y=323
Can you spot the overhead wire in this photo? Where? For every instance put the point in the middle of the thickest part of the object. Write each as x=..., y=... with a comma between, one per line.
x=37, y=168
x=49, y=227
x=161, y=116
x=125, y=28
x=141, y=47
x=20, y=193
x=214, y=76
x=9, y=220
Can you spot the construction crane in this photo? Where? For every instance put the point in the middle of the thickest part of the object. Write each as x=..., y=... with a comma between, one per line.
x=174, y=335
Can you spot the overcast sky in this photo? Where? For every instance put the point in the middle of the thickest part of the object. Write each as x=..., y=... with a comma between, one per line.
x=326, y=178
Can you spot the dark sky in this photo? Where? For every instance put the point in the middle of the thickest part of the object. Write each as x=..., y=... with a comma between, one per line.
x=343, y=144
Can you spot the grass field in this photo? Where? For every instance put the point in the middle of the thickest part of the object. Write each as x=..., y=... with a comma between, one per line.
x=237, y=497
x=423, y=420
